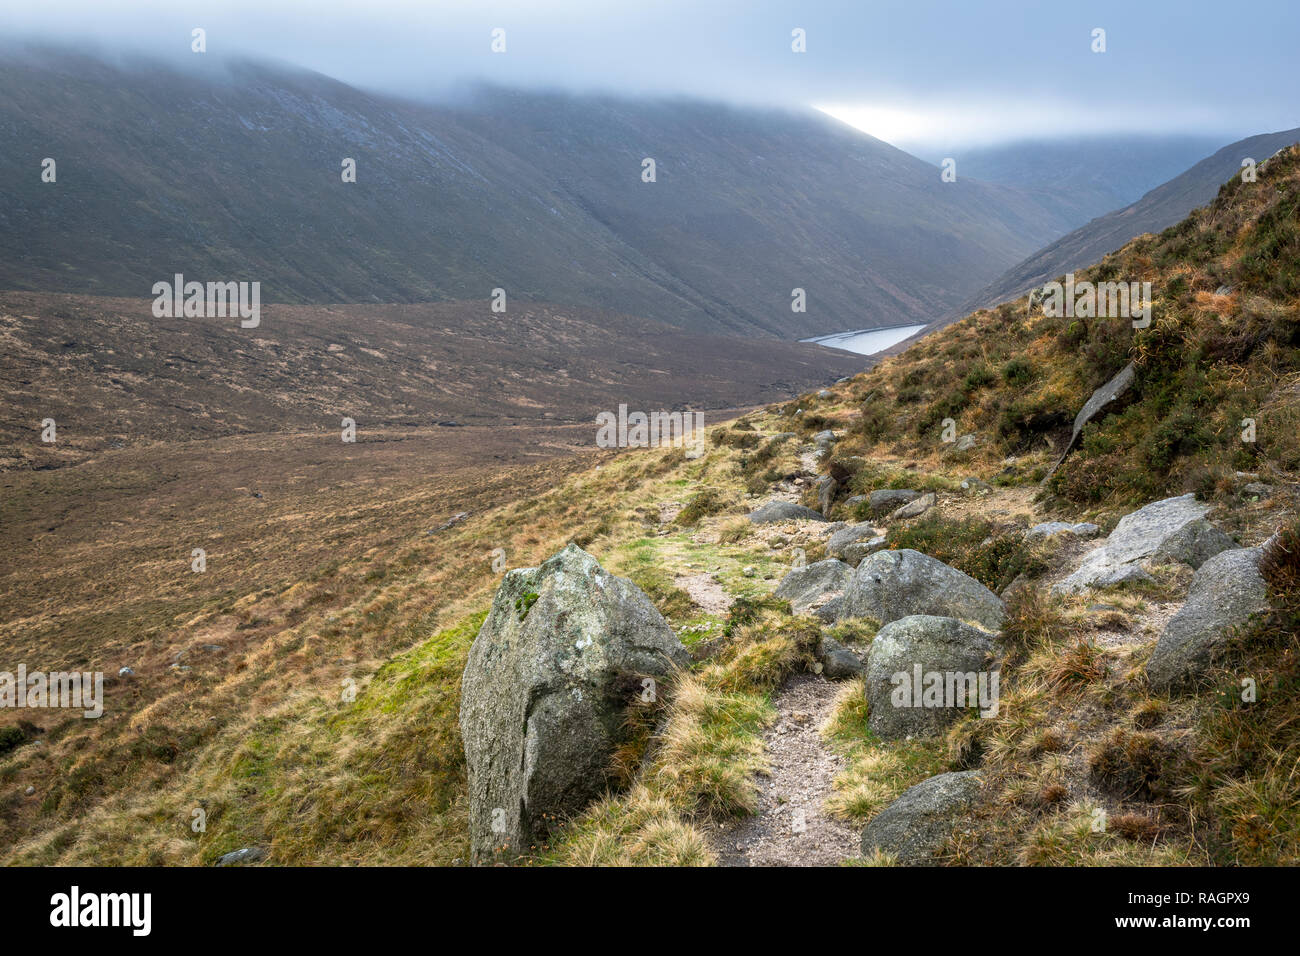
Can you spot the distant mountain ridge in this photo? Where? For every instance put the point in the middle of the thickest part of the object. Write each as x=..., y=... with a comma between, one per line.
x=231, y=171
x=1094, y=175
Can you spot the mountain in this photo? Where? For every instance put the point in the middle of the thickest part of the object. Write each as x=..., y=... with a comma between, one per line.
x=231, y=170
x=1090, y=176
x=1160, y=208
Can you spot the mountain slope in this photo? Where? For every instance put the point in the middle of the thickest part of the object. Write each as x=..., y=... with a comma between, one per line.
x=1158, y=209
x=231, y=170
x=1222, y=346
x=1094, y=176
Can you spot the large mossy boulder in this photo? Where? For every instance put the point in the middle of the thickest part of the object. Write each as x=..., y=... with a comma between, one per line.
x=924, y=672
x=562, y=655
x=1225, y=591
x=889, y=585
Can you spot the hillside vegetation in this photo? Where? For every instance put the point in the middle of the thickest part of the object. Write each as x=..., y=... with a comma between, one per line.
x=269, y=741
x=1166, y=204
x=1221, y=347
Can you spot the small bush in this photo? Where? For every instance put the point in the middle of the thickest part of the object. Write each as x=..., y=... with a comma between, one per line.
x=1131, y=764
x=702, y=504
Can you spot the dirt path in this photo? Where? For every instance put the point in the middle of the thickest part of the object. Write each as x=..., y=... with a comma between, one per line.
x=706, y=591
x=790, y=828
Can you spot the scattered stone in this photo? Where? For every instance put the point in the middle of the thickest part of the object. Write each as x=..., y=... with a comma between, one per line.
x=890, y=499
x=846, y=536
x=748, y=571
x=783, y=511
x=1225, y=591
x=810, y=587
x=550, y=676
x=916, y=825
x=974, y=488
x=838, y=662
x=1257, y=490
x=29, y=791
x=826, y=488
x=890, y=585
x=824, y=393
x=853, y=502
x=249, y=854
x=126, y=672
x=854, y=553
x=916, y=647
x=825, y=438
x=1137, y=537
x=1099, y=399
x=916, y=508
x=965, y=443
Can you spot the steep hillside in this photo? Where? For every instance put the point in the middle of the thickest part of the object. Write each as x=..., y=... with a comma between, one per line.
x=232, y=170
x=1160, y=208
x=312, y=714
x=1220, y=348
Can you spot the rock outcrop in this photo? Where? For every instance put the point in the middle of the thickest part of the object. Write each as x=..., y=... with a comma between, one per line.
x=1099, y=399
x=915, y=508
x=808, y=588
x=924, y=672
x=889, y=585
x=1193, y=544
x=1160, y=529
x=854, y=553
x=848, y=535
x=774, y=511
x=916, y=825
x=885, y=500
x=562, y=655
x=1225, y=592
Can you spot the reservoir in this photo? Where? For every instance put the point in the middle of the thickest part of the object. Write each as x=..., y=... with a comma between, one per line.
x=866, y=341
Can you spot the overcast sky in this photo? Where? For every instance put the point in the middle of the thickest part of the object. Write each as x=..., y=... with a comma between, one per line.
x=913, y=72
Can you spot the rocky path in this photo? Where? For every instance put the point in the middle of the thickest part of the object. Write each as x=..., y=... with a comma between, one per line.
x=790, y=828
